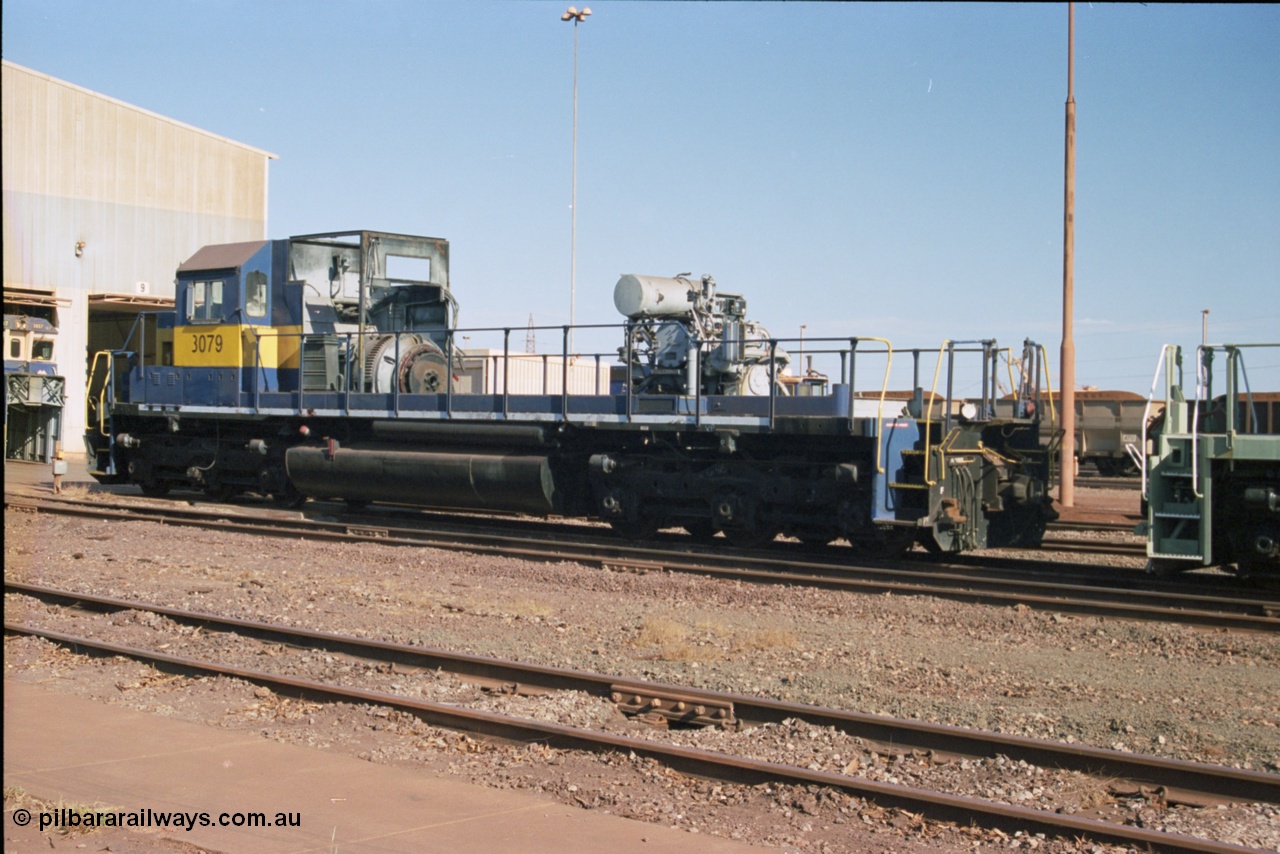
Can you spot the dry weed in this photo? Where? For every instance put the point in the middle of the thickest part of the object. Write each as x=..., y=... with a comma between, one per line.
x=659, y=631
x=711, y=626
x=770, y=637
x=530, y=608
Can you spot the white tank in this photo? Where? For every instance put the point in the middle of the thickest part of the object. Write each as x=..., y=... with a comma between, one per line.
x=654, y=296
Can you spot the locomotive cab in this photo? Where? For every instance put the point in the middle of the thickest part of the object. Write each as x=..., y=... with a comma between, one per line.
x=29, y=345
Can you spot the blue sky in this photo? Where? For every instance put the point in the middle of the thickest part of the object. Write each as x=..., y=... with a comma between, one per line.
x=890, y=170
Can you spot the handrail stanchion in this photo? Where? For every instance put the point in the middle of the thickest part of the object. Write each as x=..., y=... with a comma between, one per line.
x=1204, y=386
x=506, y=373
x=626, y=380
x=448, y=373
x=564, y=375
x=697, y=384
x=933, y=394
x=257, y=372
x=395, y=379
x=853, y=367
x=773, y=380
x=951, y=373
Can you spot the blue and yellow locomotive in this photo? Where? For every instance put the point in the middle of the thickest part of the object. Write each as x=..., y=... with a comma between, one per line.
x=328, y=366
x=34, y=391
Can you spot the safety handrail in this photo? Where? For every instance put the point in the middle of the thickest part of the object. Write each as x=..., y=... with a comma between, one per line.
x=933, y=395
x=1048, y=378
x=1008, y=363
x=1203, y=379
x=884, y=389
x=88, y=392
x=1146, y=414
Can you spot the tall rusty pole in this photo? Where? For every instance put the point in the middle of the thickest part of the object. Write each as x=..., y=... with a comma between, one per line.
x=1067, y=399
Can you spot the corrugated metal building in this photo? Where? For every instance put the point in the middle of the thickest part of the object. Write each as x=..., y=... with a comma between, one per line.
x=102, y=201
x=483, y=372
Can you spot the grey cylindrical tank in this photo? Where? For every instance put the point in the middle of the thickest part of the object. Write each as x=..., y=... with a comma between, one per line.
x=654, y=296
x=517, y=483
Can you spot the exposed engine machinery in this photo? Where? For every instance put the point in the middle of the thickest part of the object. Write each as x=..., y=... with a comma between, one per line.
x=689, y=338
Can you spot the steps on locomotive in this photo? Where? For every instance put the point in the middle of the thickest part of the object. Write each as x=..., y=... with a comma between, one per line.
x=1177, y=514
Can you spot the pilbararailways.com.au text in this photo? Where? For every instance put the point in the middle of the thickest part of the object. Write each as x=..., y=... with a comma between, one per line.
x=66, y=818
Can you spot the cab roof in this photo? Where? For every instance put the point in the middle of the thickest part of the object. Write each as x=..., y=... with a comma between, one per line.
x=222, y=256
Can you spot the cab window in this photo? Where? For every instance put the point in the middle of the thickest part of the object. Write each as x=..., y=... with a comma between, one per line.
x=425, y=315
x=206, y=301
x=42, y=350
x=255, y=294
x=15, y=348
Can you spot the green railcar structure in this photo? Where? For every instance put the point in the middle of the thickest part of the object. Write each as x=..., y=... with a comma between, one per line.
x=1211, y=467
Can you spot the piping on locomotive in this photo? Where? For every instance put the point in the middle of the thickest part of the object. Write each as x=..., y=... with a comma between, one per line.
x=1210, y=470
x=302, y=368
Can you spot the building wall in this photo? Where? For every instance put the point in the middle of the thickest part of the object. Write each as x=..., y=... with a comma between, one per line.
x=532, y=373
x=102, y=197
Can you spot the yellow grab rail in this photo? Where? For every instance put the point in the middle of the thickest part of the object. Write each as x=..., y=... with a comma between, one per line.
x=1048, y=376
x=933, y=394
x=102, y=393
x=884, y=388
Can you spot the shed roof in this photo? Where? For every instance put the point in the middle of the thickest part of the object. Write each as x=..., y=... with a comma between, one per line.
x=125, y=104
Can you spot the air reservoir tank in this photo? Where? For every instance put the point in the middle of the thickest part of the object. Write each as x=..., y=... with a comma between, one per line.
x=655, y=296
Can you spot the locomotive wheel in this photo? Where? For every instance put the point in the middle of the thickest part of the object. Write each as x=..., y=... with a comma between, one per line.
x=221, y=492
x=289, y=496
x=886, y=543
x=1017, y=527
x=930, y=544
x=642, y=527
x=1168, y=568
x=750, y=538
x=702, y=530
x=154, y=488
x=817, y=539
x=1257, y=550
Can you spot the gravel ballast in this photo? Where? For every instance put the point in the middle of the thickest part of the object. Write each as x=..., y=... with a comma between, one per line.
x=1167, y=690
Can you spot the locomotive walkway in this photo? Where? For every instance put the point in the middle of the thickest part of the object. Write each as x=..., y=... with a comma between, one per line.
x=75, y=751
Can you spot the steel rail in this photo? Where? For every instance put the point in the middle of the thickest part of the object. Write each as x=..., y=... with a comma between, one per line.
x=1117, y=602
x=936, y=805
x=1185, y=782
x=1109, y=547
x=1091, y=525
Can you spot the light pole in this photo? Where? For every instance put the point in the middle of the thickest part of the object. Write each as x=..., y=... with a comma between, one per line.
x=803, y=327
x=1067, y=454
x=1204, y=327
x=572, y=14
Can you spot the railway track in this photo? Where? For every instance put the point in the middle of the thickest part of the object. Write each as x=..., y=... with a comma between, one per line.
x=1127, y=483
x=1085, y=593
x=1177, y=782
x=1106, y=547
x=1126, y=526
